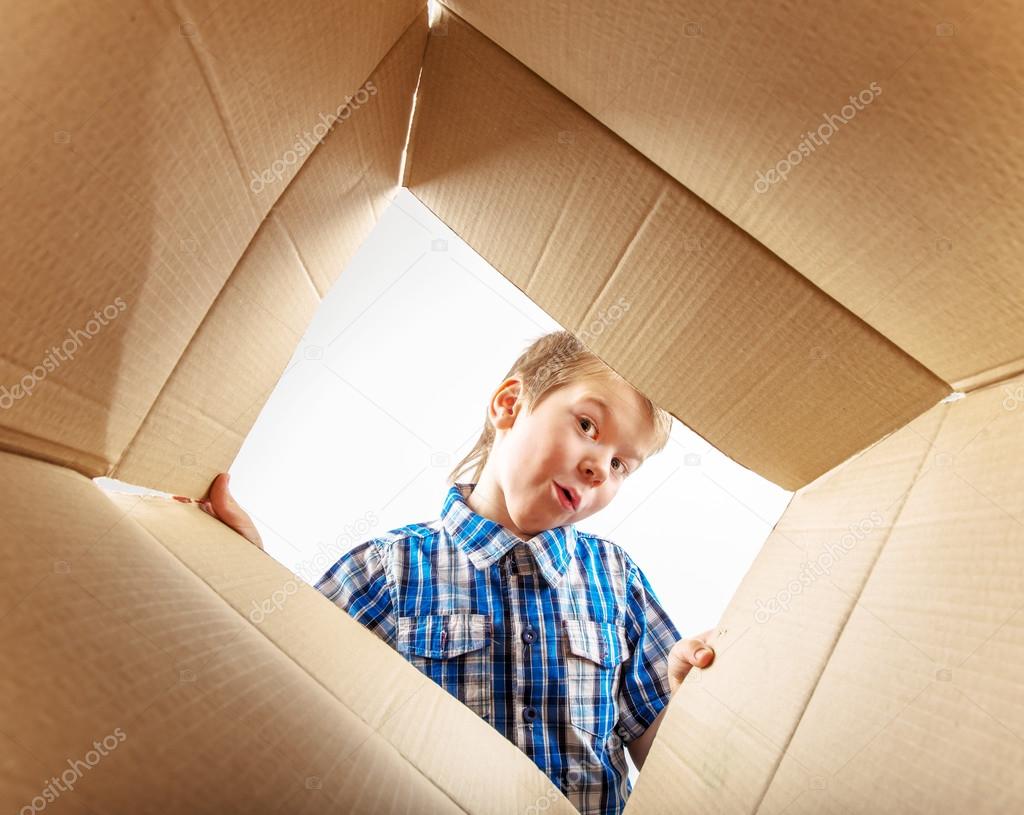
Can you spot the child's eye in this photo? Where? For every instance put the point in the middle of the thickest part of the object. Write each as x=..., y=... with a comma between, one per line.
x=584, y=420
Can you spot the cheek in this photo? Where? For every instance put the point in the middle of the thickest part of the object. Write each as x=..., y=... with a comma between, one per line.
x=540, y=453
x=563, y=455
x=609, y=489
x=547, y=444
x=526, y=458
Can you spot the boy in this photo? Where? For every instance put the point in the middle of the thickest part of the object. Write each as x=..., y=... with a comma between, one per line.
x=552, y=635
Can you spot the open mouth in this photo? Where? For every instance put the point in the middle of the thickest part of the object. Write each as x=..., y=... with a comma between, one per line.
x=564, y=497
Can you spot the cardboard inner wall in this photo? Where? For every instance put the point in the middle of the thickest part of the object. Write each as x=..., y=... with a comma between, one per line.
x=909, y=215
x=691, y=310
x=132, y=135
x=793, y=330
x=892, y=675
x=214, y=394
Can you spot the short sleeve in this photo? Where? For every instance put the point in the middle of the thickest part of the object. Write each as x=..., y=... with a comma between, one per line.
x=358, y=583
x=644, y=689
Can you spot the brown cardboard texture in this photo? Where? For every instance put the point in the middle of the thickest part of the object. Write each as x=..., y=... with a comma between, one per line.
x=183, y=184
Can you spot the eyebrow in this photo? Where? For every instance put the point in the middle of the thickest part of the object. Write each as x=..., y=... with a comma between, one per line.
x=608, y=411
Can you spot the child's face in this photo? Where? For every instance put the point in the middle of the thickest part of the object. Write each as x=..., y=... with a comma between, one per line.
x=570, y=440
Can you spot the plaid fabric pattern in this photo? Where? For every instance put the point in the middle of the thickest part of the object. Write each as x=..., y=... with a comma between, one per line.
x=558, y=642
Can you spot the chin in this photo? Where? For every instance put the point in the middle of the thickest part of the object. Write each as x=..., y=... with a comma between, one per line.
x=529, y=525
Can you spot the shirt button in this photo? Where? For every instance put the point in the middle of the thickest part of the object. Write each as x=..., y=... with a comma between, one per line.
x=529, y=635
x=529, y=713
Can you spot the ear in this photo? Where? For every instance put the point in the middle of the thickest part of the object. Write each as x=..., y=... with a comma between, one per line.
x=505, y=404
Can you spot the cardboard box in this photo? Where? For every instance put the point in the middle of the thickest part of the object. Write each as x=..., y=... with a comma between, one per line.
x=173, y=219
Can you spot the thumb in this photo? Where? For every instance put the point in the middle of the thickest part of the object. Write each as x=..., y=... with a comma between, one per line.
x=220, y=494
x=678, y=664
x=218, y=501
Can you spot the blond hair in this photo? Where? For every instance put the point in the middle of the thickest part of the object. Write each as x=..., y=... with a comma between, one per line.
x=550, y=362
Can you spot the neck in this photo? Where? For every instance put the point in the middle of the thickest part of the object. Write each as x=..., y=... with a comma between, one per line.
x=488, y=500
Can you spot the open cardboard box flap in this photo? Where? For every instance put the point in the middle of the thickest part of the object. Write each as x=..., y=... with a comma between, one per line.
x=132, y=617
x=599, y=160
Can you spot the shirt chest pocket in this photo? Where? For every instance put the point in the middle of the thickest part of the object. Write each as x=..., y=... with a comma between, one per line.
x=594, y=652
x=455, y=651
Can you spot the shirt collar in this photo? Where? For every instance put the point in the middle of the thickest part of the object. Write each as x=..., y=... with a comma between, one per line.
x=485, y=541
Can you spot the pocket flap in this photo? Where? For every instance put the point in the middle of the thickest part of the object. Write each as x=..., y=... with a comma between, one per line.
x=603, y=643
x=442, y=635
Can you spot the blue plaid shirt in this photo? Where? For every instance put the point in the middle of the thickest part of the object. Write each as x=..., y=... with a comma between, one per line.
x=559, y=642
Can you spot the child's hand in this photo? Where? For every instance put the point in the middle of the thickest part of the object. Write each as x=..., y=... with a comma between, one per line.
x=687, y=653
x=219, y=503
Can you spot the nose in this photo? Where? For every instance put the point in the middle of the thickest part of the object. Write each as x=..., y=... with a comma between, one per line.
x=594, y=470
